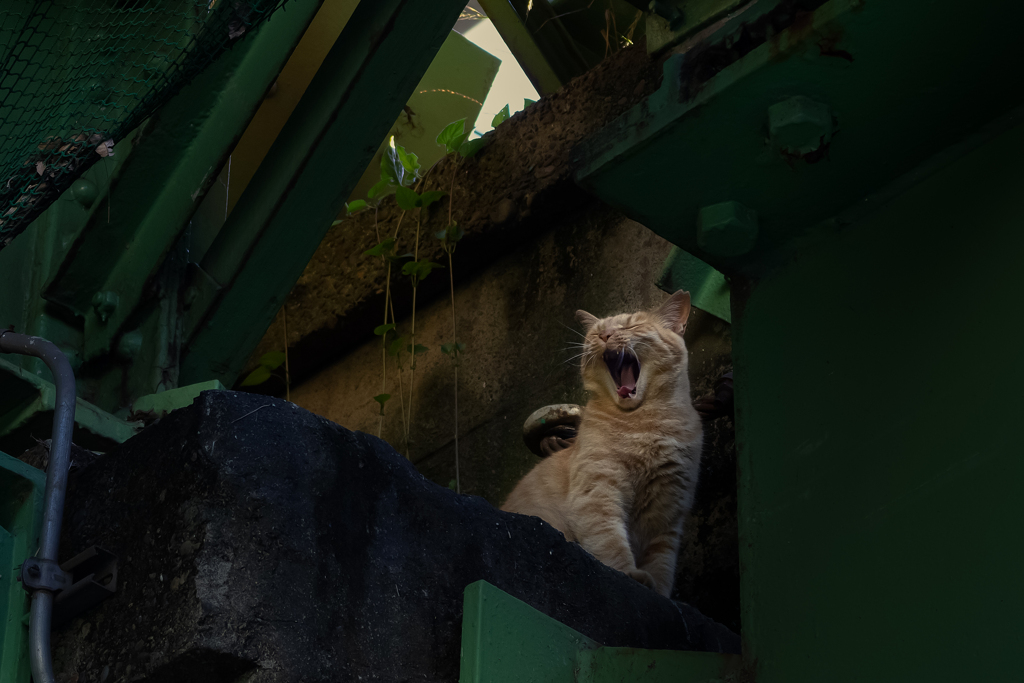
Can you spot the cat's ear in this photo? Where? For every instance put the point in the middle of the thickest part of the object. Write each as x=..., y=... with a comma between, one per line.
x=675, y=312
x=586, y=320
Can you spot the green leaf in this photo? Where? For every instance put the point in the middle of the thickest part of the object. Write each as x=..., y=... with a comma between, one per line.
x=391, y=168
x=381, y=330
x=500, y=117
x=470, y=148
x=257, y=376
x=454, y=232
x=383, y=249
x=407, y=199
x=410, y=162
x=395, y=347
x=382, y=399
x=420, y=349
x=337, y=222
x=272, y=360
x=423, y=268
x=527, y=102
x=447, y=349
x=451, y=484
x=380, y=189
x=398, y=260
x=460, y=347
x=453, y=135
x=420, y=269
x=429, y=197
x=357, y=205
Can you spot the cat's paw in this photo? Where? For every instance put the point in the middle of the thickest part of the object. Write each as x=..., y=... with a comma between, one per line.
x=643, y=577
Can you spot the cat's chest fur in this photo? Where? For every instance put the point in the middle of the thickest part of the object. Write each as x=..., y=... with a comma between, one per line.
x=647, y=449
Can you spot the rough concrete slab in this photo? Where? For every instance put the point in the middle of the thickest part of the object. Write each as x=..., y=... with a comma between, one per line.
x=259, y=540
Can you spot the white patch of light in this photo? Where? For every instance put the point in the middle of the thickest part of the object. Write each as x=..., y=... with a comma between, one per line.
x=511, y=86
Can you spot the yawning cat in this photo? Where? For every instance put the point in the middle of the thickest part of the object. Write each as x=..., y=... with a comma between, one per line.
x=623, y=488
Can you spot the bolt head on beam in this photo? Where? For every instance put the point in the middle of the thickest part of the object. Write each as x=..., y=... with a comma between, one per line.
x=84, y=191
x=726, y=229
x=105, y=303
x=799, y=125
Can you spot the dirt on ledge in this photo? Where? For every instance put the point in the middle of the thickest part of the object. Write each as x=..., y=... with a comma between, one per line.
x=517, y=186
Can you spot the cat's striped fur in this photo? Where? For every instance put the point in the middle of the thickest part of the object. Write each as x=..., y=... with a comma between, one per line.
x=623, y=489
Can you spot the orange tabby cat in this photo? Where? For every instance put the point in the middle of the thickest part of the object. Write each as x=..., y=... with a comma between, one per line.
x=624, y=487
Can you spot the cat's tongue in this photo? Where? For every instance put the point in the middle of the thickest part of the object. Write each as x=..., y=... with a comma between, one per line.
x=628, y=381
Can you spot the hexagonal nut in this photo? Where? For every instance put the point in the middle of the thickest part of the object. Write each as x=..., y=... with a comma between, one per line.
x=799, y=125
x=727, y=229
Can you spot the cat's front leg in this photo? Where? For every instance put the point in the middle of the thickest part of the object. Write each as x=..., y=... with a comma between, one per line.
x=659, y=559
x=598, y=520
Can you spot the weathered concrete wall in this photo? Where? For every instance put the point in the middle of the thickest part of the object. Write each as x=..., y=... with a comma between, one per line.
x=517, y=319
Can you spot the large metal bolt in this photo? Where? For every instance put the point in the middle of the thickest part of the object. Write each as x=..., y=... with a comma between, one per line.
x=130, y=344
x=84, y=191
x=104, y=304
x=799, y=125
x=726, y=229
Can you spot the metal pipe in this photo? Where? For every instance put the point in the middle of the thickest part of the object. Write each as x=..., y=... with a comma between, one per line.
x=56, y=486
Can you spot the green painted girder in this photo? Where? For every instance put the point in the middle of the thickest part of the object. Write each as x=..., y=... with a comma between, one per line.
x=878, y=413
x=523, y=45
x=26, y=414
x=708, y=288
x=131, y=231
x=306, y=178
x=504, y=640
x=172, y=399
x=21, y=519
x=693, y=16
x=902, y=80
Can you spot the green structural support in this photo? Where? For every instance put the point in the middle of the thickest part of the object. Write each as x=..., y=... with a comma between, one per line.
x=879, y=453
x=166, y=401
x=26, y=414
x=708, y=288
x=864, y=89
x=504, y=640
x=673, y=21
x=857, y=177
x=306, y=178
x=176, y=157
x=21, y=518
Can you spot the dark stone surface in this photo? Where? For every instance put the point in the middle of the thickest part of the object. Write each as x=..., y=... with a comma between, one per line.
x=256, y=537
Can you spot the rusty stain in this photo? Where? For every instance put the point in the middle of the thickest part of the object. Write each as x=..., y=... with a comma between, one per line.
x=704, y=61
x=828, y=46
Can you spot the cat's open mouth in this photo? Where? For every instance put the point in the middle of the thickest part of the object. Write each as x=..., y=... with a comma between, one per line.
x=625, y=369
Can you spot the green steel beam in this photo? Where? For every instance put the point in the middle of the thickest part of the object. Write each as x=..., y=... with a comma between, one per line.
x=523, y=45
x=878, y=408
x=708, y=288
x=690, y=16
x=897, y=82
x=21, y=519
x=130, y=232
x=166, y=401
x=504, y=640
x=26, y=413
x=630, y=665
x=306, y=178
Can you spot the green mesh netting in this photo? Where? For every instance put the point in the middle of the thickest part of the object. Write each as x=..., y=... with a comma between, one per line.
x=77, y=75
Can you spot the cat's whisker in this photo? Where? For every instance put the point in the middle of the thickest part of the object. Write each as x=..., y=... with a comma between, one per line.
x=574, y=331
